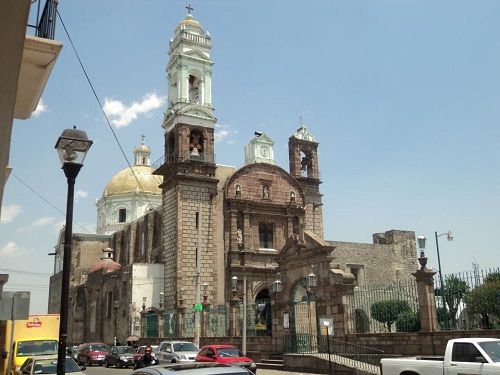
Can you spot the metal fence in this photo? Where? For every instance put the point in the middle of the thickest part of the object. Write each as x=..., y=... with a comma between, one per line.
x=383, y=308
x=325, y=347
x=469, y=300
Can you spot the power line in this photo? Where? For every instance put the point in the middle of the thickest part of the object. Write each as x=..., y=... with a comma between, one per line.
x=100, y=106
x=46, y=201
x=25, y=272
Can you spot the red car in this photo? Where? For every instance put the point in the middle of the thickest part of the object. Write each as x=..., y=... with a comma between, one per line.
x=92, y=353
x=229, y=354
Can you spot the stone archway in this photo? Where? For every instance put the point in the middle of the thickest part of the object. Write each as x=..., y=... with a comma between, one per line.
x=303, y=319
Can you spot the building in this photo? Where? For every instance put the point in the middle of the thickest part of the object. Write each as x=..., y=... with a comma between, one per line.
x=233, y=232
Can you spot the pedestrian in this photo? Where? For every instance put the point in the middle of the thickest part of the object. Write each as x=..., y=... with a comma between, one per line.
x=147, y=359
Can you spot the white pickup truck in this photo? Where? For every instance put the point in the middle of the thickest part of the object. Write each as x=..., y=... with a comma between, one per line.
x=469, y=356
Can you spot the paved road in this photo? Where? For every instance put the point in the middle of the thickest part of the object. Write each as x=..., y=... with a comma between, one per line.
x=101, y=370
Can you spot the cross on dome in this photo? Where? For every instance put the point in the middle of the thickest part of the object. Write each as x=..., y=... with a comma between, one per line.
x=189, y=8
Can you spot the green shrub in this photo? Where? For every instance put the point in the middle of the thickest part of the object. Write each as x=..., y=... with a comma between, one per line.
x=387, y=312
x=408, y=321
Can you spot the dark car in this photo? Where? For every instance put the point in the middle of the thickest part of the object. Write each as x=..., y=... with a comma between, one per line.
x=192, y=368
x=227, y=354
x=120, y=356
x=92, y=353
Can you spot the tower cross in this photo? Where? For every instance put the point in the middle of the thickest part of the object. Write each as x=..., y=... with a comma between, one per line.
x=143, y=136
x=189, y=8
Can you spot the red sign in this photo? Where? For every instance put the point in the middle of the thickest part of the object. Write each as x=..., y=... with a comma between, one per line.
x=35, y=323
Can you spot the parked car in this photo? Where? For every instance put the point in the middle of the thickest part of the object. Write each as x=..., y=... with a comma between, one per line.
x=140, y=353
x=462, y=356
x=92, y=353
x=120, y=356
x=48, y=365
x=227, y=354
x=72, y=351
x=177, y=351
x=192, y=368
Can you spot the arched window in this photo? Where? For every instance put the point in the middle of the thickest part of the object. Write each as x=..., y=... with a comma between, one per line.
x=122, y=215
x=194, y=89
x=195, y=142
x=238, y=191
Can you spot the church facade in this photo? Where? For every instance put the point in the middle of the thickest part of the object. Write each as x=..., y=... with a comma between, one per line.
x=233, y=232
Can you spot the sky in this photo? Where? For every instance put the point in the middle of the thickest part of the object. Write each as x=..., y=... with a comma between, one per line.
x=403, y=97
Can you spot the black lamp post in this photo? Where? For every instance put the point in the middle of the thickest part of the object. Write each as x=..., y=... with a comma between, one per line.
x=449, y=236
x=72, y=147
x=276, y=288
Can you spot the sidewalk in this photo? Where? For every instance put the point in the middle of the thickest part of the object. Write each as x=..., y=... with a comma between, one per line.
x=279, y=372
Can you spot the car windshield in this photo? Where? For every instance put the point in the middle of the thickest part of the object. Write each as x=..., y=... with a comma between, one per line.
x=37, y=347
x=492, y=348
x=228, y=352
x=125, y=350
x=99, y=348
x=49, y=366
x=185, y=347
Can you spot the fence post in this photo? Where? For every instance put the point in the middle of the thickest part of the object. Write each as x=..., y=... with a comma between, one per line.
x=426, y=299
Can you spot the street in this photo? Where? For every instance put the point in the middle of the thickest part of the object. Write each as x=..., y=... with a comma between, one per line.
x=101, y=370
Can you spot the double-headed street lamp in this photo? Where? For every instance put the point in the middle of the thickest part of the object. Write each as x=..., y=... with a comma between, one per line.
x=72, y=147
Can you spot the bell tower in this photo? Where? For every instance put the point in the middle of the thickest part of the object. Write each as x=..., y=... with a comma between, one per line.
x=303, y=156
x=189, y=183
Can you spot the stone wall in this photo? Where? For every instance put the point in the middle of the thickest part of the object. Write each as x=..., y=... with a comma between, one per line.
x=384, y=262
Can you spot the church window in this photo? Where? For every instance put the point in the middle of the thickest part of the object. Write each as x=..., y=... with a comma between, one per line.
x=238, y=190
x=305, y=164
x=292, y=196
x=194, y=89
x=122, y=215
x=266, y=235
x=195, y=143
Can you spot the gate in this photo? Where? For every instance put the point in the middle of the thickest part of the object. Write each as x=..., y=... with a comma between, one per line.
x=303, y=320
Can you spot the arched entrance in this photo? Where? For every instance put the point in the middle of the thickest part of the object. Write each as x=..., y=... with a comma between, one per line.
x=303, y=320
x=263, y=316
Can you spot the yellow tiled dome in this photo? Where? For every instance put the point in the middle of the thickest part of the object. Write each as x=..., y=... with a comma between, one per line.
x=124, y=181
x=190, y=23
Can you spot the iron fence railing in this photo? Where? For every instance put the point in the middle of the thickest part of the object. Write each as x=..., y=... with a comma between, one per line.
x=46, y=23
x=469, y=300
x=326, y=347
x=383, y=308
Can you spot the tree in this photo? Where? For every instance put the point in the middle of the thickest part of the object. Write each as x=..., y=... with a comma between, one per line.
x=485, y=299
x=387, y=312
x=453, y=292
x=408, y=321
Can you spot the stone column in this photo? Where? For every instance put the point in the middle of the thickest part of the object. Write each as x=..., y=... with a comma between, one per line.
x=204, y=317
x=233, y=230
x=426, y=298
x=233, y=316
x=247, y=236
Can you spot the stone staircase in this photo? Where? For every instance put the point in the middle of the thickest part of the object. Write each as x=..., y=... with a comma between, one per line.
x=274, y=362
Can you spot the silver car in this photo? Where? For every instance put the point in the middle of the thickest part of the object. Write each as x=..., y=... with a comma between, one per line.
x=193, y=368
x=177, y=351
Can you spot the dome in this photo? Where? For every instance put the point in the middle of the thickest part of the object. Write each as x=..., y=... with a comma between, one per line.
x=125, y=182
x=105, y=264
x=191, y=24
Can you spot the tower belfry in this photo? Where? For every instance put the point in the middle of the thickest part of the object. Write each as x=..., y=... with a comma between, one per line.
x=188, y=171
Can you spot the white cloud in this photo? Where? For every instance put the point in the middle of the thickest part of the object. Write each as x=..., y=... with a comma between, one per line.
x=40, y=108
x=80, y=194
x=120, y=115
x=9, y=249
x=10, y=212
x=43, y=221
x=223, y=132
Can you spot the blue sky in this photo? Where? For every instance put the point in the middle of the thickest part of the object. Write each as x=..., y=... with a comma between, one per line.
x=403, y=97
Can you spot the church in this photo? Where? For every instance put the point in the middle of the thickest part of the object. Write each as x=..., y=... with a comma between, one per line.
x=194, y=235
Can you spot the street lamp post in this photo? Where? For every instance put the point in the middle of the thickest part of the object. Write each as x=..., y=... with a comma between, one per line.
x=449, y=236
x=72, y=147
x=116, y=305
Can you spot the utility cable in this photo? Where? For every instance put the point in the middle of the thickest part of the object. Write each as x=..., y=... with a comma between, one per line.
x=46, y=201
x=100, y=106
